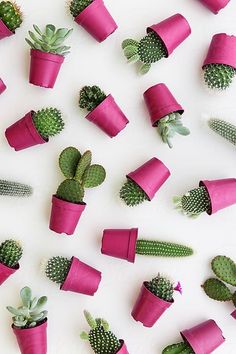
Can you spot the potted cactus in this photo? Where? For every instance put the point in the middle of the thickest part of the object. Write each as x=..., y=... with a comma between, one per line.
x=155, y=297
x=73, y=275
x=47, y=54
x=10, y=18
x=160, y=41
x=67, y=203
x=123, y=244
x=101, y=339
x=14, y=189
x=209, y=197
x=94, y=17
x=143, y=183
x=2, y=86
x=224, y=129
x=215, y=5
x=30, y=323
x=10, y=254
x=103, y=110
x=34, y=128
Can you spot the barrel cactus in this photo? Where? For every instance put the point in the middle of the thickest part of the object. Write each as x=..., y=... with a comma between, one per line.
x=224, y=129
x=218, y=76
x=91, y=97
x=57, y=269
x=15, y=189
x=10, y=14
x=48, y=122
x=10, y=253
x=161, y=287
x=162, y=249
x=77, y=6
x=178, y=348
x=132, y=194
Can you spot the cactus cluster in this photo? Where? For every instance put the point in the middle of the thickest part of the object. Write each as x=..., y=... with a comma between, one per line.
x=224, y=129
x=15, y=189
x=57, y=269
x=161, y=287
x=48, y=122
x=178, y=348
x=77, y=6
x=218, y=76
x=10, y=253
x=91, y=97
x=162, y=249
x=10, y=14
x=132, y=194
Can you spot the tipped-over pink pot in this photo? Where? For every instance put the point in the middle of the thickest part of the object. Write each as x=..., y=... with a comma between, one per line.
x=172, y=31
x=4, y=31
x=2, y=86
x=148, y=307
x=215, y=5
x=123, y=349
x=233, y=314
x=6, y=272
x=65, y=216
x=222, y=193
x=44, y=68
x=204, y=338
x=82, y=278
x=32, y=340
x=160, y=102
x=97, y=20
x=23, y=134
x=108, y=117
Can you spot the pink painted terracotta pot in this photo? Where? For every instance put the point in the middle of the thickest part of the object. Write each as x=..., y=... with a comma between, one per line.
x=108, y=117
x=172, y=31
x=6, y=272
x=23, y=134
x=204, y=338
x=2, y=86
x=97, y=21
x=215, y=5
x=32, y=340
x=160, y=102
x=65, y=216
x=233, y=314
x=148, y=307
x=82, y=278
x=44, y=68
x=123, y=349
x=4, y=31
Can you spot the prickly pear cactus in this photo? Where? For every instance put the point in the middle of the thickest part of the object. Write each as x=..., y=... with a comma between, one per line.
x=77, y=6
x=57, y=269
x=10, y=253
x=224, y=129
x=71, y=190
x=178, y=348
x=48, y=122
x=83, y=164
x=132, y=194
x=162, y=249
x=225, y=269
x=161, y=287
x=218, y=76
x=93, y=176
x=10, y=14
x=15, y=189
x=91, y=97
x=217, y=290
x=68, y=161
x=194, y=202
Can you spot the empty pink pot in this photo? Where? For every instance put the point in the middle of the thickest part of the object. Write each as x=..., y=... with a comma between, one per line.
x=108, y=117
x=233, y=314
x=160, y=102
x=148, y=307
x=23, y=134
x=44, y=68
x=32, y=340
x=65, y=216
x=6, y=272
x=222, y=50
x=215, y=5
x=97, y=21
x=222, y=193
x=204, y=338
x=123, y=349
x=172, y=31
x=4, y=31
x=82, y=278
x=2, y=86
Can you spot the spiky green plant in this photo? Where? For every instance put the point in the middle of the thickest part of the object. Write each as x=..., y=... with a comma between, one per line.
x=91, y=97
x=101, y=339
x=194, y=202
x=161, y=287
x=30, y=313
x=57, y=269
x=10, y=14
x=15, y=189
x=225, y=269
x=77, y=6
x=48, y=122
x=178, y=348
x=218, y=76
x=51, y=40
x=148, y=50
x=132, y=194
x=162, y=249
x=224, y=129
x=10, y=253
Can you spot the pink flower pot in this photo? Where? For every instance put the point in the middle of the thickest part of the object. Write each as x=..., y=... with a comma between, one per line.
x=6, y=272
x=222, y=50
x=2, y=86
x=148, y=307
x=65, y=216
x=233, y=314
x=82, y=278
x=32, y=340
x=160, y=102
x=215, y=5
x=123, y=349
x=4, y=31
x=108, y=117
x=150, y=176
x=97, y=21
x=23, y=134
x=120, y=243
x=44, y=68
x=172, y=31
x=204, y=338
x=222, y=193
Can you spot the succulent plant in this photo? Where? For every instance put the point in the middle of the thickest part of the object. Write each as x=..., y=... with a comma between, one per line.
x=51, y=40
x=162, y=249
x=15, y=189
x=91, y=97
x=101, y=339
x=178, y=348
x=132, y=194
x=224, y=129
x=10, y=253
x=57, y=269
x=148, y=50
x=30, y=313
x=161, y=287
x=218, y=76
x=77, y=6
x=10, y=14
x=48, y=122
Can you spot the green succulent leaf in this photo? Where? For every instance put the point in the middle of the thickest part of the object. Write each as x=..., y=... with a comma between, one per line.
x=144, y=69
x=26, y=295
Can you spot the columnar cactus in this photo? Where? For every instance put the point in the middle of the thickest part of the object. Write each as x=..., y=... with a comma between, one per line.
x=91, y=97
x=162, y=249
x=132, y=194
x=10, y=14
x=77, y=6
x=218, y=76
x=178, y=348
x=57, y=269
x=15, y=189
x=161, y=287
x=48, y=122
x=10, y=253
x=224, y=129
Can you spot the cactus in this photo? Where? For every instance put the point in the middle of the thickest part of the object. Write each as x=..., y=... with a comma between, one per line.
x=218, y=76
x=217, y=290
x=93, y=176
x=77, y=6
x=91, y=97
x=57, y=269
x=194, y=202
x=71, y=191
x=178, y=348
x=51, y=40
x=225, y=269
x=68, y=161
x=162, y=249
x=48, y=122
x=101, y=339
x=15, y=189
x=10, y=253
x=224, y=129
x=132, y=194
x=10, y=14
x=83, y=164
x=148, y=50
x=161, y=287
x=30, y=313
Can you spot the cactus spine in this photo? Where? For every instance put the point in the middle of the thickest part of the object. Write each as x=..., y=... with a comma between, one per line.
x=10, y=14
x=91, y=97
x=161, y=287
x=10, y=253
x=132, y=194
x=162, y=249
x=178, y=348
x=48, y=122
x=77, y=6
x=57, y=269
x=194, y=202
x=218, y=76
x=224, y=129
x=15, y=189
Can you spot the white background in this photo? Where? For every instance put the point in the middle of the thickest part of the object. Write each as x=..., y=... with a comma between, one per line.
x=202, y=155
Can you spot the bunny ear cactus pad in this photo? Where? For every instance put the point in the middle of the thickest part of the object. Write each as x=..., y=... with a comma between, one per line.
x=225, y=269
x=217, y=290
x=224, y=129
x=71, y=190
x=10, y=253
x=218, y=76
x=48, y=122
x=77, y=6
x=178, y=348
x=194, y=202
x=83, y=164
x=68, y=161
x=93, y=176
x=10, y=14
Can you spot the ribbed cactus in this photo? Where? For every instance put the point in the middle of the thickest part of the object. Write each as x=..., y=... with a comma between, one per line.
x=194, y=202
x=225, y=269
x=218, y=76
x=162, y=249
x=224, y=129
x=48, y=122
x=132, y=194
x=10, y=14
x=178, y=348
x=10, y=253
x=77, y=6
x=161, y=287
x=15, y=189
x=91, y=97
x=101, y=339
x=57, y=269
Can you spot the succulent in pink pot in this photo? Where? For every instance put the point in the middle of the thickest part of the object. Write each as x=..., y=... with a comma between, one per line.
x=215, y=5
x=10, y=255
x=10, y=18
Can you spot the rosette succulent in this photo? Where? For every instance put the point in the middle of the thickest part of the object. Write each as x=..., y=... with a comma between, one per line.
x=15, y=189
x=224, y=129
x=10, y=15
x=57, y=269
x=91, y=97
x=77, y=6
x=48, y=122
x=218, y=76
x=10, y=253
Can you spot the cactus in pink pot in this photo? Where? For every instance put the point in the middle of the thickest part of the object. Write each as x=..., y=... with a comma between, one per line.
x=10, y=18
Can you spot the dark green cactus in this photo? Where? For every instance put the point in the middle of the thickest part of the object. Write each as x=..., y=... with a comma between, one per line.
x=161, y=287
x=57, y=269
x=91, y=97
x=83, y=164
x=77, y=6
x=225, y=269
x=93, y=176
x=10, y=253
x=48, y=122
x=15, y=189
x=71, y=190
x=162, y=249
x=10, y=14
x=132, y=194
x=68, y=161
x=178, y=348
x=217, y=290
x=218, y=76
x=224, y=129
x=194, y=202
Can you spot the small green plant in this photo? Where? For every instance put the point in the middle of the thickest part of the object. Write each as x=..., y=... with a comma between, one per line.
x=30, y=313
x=91, y=97
x=132, y=194
x=10, y=253
x=77, y=6
x=15, y=189
x=161, y=287
x=218, y=76
x=57, y=269
x=178, y=348
x=224, y=129
x=101, y=339
x=162, y=249
x=51, y=40
x=10, y=14
x=148, y=50
x=48, y=122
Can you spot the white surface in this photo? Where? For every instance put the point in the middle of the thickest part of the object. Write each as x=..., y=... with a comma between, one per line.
x=199, y=156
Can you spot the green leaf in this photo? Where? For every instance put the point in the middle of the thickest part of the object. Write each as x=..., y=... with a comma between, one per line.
x=130, y=51
x=84, y=336
x=33, y=303
x=144, y=69
x=41, y=302
x=14, y=311
x=30, y=43
x=62, y=32
x=50, y=30
x=134, y=58
x=91, y=321
x=105, y=325
x=128, y=42
x=36, y=39
x=26, y=295
x=37, y=29
x=32, y=324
